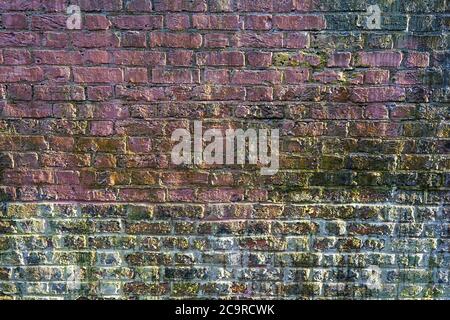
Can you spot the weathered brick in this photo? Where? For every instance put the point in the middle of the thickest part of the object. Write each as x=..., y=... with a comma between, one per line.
x=379, y=59
x=136, y=75
x=175, y=76
x=216, y=40
x=254, y=40
x=139, y=6
x=340, y=59
x=176, y=40
x=259, y=59
x=90, y=195
x=137, y=22
x=256, y=77
x=258, y=22
x=97, y=22
x=134, y=39
x=215, y=22
x=303, y=22
x=98, y=39
x=97, y=75
x=232, y=59
x=14, y=21
x=373, y=94
x=192, y=6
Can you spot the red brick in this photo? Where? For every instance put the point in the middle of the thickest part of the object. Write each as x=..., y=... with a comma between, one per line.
x=408, y=77
x=339, y=59
x=142, y=195
x=221, y=195
x=255, y=40
x=20, y=73
x=96, y=56
x=61, y=143
x=297, y=40
x=100, y=5
x=170, y=5
x=296, y=75
x=96, y=22
x=181, y=195
x=139, y=144
x=14, y=21
x=17, y=56
x=52, y=5
x=20, y=91
x=139, y=58
x=220, y=58
x=65, y=160
x=226, y=93
x=67, y=177
x=139, y=6
x=417, y=59
x=25, y=110
x=217, y=40
x=101, y=128
x=100, y=144
x=180, y=58
x=376, y=76
x=260, y=94
x=13, y=177
x=136, y=75
x=219, y=76
x=97, y=39
x=106, y=111
x=64, y=110
x=278, y=5
x=104, y=161
x=215, y=22
x=100, y=93
x=256, y=77
x=403, y=111
x=19, y=5
x=220, y=5
x=299, y=92
x=140, y=93
x=374, y=129
x=328, y=76
x=303, y=22
x=137, y=22
x=176, y=40
x=376, y=111
x=28, y=160
x=57, y=57
x=378, y=94
x=258, y=22
x=56, y=93
x=48, y=22
x=56, y=40
x=19, y=39
x=97, y=75
x=259, y=59
x=134, y=39
x=379, y=59
x=177, y=21
x=255, y=6
x=175, y=76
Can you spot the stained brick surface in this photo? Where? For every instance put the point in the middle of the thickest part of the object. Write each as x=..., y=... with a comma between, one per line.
x=92, y=206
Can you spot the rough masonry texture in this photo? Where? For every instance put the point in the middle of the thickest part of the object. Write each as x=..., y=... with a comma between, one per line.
x=92, y=206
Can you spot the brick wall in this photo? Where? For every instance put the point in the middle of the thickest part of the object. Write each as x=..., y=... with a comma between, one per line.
x=92, y=205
